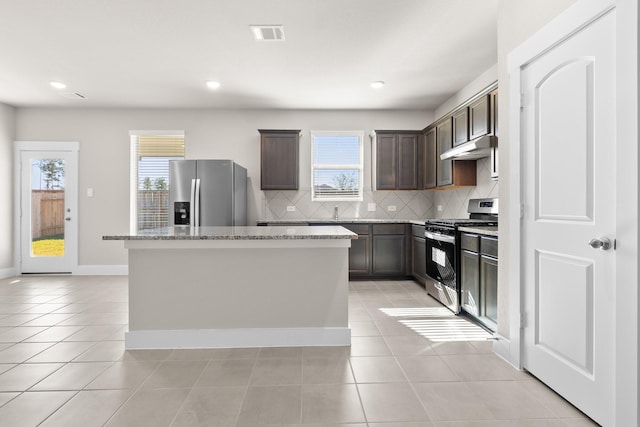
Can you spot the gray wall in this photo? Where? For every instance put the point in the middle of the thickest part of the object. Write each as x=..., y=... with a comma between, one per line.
x=227, y=134
x=7, y=136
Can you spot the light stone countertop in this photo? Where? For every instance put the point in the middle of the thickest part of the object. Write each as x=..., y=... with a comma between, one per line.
x=239, y=233
x=486, y=231
x=341, y=221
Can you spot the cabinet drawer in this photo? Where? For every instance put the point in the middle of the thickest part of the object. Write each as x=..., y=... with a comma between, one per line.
x=470, y=242
x=357, y=228
x=489, y=246
x=388, y=229
x=417, y=230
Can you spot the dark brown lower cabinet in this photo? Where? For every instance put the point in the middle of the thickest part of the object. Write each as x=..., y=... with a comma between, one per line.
x=479, y=278
x=388, y=255
x=418, y=254
x=360, y=257
x=381, y=251
x=389, y=250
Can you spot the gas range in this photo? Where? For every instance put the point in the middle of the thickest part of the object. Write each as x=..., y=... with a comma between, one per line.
x=450, y=226
x=442, y=240
x=482, y=212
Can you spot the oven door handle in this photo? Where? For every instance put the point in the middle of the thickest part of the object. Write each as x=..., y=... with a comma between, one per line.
x=440, y=237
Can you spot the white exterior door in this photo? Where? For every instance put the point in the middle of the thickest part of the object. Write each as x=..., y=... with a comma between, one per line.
x=48, y=207
x=568, y=140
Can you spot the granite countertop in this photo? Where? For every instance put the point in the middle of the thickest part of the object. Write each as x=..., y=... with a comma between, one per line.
x=341, y=221
x=479, y=229
x=238, y=233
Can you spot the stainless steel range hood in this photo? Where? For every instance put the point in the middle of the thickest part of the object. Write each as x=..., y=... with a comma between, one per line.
x=472, y=150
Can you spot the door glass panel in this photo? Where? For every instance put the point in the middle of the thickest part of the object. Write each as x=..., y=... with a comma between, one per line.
x=47, y=207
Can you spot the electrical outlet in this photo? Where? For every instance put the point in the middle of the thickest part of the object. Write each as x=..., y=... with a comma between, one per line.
x=439, y=208
x=89, y=192
x=371, y=207
x=391, y=208
x=291, y=208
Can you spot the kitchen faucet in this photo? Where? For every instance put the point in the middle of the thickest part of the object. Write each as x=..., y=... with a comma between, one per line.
x=335, y=212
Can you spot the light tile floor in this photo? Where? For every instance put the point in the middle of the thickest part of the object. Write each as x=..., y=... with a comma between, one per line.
x=63, y=363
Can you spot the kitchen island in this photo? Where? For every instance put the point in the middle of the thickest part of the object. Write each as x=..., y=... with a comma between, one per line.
x=221, y=287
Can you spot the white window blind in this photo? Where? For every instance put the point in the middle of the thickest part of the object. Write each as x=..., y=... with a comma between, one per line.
x=336, y=164
x=150, y=156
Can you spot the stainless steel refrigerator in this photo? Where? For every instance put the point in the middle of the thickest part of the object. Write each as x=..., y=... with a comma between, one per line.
x=207, y=193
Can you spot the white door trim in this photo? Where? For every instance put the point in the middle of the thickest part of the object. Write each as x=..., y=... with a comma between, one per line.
x=626, y=285
x=18, y=148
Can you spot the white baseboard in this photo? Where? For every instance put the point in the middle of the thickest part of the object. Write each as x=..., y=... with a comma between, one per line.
x=8, y=272
x=236, y=338
x=502, y=347
x=102, y=270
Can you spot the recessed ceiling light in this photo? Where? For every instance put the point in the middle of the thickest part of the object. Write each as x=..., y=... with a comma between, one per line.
x=213, y=85
x=58, y=85
x=377, y=85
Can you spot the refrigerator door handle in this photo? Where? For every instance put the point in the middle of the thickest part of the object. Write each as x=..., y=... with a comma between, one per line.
x=197, y=205
x=192, y=203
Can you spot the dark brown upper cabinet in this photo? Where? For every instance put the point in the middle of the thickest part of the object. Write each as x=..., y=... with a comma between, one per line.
x=460, y=126
x=452, y=173
x=279, y=159
x=444, y=141
x=480, y=117
x=495, y=129
x=398, y=164
x=494, y=112
x=430, y=159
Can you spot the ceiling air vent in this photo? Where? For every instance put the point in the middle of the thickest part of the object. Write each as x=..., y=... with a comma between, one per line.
x=72, y=95
x=268, y=33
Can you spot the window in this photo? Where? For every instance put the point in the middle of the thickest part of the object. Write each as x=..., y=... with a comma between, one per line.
x=150, y=156
x=336, y=165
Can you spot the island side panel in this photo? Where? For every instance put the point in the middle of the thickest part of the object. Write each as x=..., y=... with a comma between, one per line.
x=237, y=288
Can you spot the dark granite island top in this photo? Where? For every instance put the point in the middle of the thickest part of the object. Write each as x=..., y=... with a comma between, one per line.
x=239, y=233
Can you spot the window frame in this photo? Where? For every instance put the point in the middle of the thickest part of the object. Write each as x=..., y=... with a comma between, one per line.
x=133, y=171
x=359, y=167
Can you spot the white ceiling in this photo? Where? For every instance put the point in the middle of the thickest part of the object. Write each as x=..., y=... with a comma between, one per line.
x=159, y=53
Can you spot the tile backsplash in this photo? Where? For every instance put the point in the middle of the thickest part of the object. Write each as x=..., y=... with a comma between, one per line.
x=454, y=203
x=408, y=204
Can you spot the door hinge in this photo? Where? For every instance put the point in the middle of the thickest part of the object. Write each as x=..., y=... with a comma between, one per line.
x=521, y=101
x=521, y=211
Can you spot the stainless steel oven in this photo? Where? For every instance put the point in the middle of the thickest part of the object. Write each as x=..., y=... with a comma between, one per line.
x=441, y=267
x=442, y=241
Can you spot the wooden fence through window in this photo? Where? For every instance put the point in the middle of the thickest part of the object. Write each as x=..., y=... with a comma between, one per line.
x=47, y=213
x=153, y=209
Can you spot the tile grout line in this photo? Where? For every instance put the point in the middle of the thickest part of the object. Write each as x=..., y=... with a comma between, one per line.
x=190, y=391
x=132, y=393
x=246, y=389
x=355, y=381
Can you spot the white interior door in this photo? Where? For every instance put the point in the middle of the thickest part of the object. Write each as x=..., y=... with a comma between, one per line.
x=48, y=209
x=569, y=146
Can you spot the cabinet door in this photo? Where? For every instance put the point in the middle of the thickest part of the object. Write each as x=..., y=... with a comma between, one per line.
x=470, y=281
x=460, y=126
x=360, y=256
x=479, y=118
x=489, y=287
x=408, y=161
x=386, y=162
x=418, y=258
x=430, y=160
x=389, y=255
x=279, y=160
x=494, y=120
x=494, y=112
x=444, y=139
